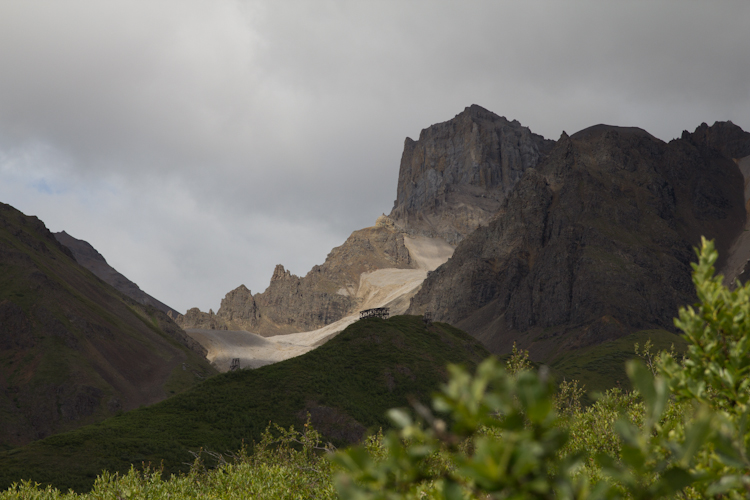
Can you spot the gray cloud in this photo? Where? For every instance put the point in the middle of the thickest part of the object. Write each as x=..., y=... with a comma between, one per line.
x=196, y=144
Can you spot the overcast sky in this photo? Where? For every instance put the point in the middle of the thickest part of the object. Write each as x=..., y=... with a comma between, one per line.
x=196, y=144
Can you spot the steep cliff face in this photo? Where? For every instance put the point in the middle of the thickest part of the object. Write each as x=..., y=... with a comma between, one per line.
x=593, y=244
x=326, y=294
x=734, y=143
x=456, y=175
x=561, y=244
x=238, y=307
x=87, y=256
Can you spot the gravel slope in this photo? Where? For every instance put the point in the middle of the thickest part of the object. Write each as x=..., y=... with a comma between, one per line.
x=391, y=288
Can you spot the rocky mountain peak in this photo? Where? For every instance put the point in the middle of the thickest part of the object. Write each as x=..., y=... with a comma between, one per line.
x=239, y=305
x=726, y=137
x=195, y=318
x=455, y=176
x=279, y=273
x=324, y=295
x=596, y=131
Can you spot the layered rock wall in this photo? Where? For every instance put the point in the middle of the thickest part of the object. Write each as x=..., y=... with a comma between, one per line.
x=456, y=175
x=593, y=244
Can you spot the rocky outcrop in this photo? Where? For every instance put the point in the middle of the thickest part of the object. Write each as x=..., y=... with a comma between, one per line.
x=594, y=243
x=728, y=138
x=324, y=295
x=87, y=256
x=455, y=176
x=195, y=318
x=291, y=303
x=239, y=307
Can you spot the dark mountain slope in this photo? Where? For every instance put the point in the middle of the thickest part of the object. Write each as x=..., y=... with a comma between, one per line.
x=728, y=138
x=87, y=256
x=73, y=350
x=593, y=244
x=345, y=385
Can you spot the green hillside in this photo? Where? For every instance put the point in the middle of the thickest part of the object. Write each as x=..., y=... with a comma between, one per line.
x=602, y=366
x=345, y=385
x=73, y=350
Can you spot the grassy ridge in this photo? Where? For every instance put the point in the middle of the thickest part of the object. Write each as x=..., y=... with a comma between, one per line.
x=346, y=384
x=602, y=366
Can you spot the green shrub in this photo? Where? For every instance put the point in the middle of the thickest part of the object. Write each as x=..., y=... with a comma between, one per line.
x=288, y=464
x=507, y=441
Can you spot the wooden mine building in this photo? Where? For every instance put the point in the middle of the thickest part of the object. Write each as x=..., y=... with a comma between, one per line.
x=378, y=312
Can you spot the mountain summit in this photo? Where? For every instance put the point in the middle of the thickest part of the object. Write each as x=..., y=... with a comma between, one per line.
x=457, y=174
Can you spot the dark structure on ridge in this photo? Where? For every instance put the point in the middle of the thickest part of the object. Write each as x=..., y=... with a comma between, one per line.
x=378, y=312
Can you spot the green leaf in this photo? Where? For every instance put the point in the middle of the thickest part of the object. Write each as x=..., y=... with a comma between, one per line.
x=695, y=436
x=627, y=432
x=452, y=490
x=653, y=390
x=612, y=468
x=727, y=452
x=633, y=457
x=725, y=484
x=676, y=479
x=400, y=418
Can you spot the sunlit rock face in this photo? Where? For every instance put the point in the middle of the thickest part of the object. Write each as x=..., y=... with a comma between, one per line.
x=323, y=296
x=456, y=175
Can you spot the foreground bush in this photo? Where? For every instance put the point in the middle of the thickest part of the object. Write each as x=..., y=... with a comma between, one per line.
x=286, y=465
x=505, y=439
